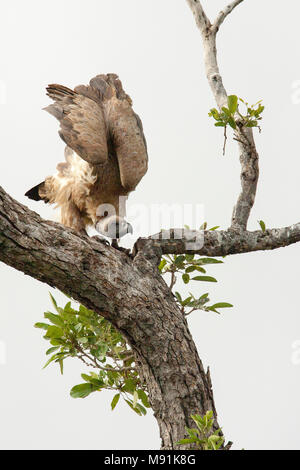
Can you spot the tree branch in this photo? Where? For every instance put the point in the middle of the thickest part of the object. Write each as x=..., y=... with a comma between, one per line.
x=244, y=136
x=221, y=242
x=249, y=178
x=201, y=19
x=223, y=14
x=130, y=293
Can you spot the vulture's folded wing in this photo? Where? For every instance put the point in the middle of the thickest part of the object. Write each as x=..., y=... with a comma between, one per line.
x=124, y=126
x=82, y=123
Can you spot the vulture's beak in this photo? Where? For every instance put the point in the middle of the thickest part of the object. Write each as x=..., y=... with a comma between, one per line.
x=114, y=227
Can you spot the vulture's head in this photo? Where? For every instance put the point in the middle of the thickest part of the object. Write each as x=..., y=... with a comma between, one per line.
x=113, y=227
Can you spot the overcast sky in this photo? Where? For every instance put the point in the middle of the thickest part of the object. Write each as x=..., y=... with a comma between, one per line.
x=253, y=350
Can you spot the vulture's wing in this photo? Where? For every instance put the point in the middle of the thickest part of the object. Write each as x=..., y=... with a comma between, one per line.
x=82, y=123
x=124, y=127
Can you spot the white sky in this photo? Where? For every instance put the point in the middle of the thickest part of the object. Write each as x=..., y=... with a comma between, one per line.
x=156, y=49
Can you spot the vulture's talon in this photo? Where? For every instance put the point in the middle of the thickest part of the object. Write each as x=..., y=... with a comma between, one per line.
x=102, y=240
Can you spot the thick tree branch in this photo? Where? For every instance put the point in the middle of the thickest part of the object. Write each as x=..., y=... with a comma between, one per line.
x=244, y=136
x=127, y=291
x=224, y=13
x=222, y=242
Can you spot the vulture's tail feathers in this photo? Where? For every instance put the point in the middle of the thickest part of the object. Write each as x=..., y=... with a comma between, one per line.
x=34, y=194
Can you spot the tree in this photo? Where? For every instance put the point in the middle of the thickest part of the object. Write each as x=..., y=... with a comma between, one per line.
x=129, y=291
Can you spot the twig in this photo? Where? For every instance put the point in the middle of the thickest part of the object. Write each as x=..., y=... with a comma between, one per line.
x=223, y=14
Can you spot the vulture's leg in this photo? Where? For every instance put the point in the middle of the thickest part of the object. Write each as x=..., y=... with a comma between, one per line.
x=114, y=243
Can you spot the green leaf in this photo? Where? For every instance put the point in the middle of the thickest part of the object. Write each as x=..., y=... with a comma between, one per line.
x=42, y=326
x=186, y=441
x=56, y=341
x=179, y=260
x=115, y=401
x=92, y=380
x=53, y=300
x=162, y=264
x=214, y=113
x=58, y=309
x=222, y=305
x=83, y=340
x=232, y=123
x=178, y=296
x=226, y=111
x=251, y=124
x=186, y=301
x=144, y=399
x=141, y=408
x=137, y=410
x=209, y=261
x=204, y=296
x=52, y=358
x=129, y=386
x=220, y=124
x=186, y=278
x=82, y=390
x=232, y=102
x=51, y=350
x=54, y=332
x=262, y=225
x=55, y=319
x=190, y=269
x=205, y=278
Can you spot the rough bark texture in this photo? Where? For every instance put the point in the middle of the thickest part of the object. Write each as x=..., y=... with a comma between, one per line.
x=127, y=291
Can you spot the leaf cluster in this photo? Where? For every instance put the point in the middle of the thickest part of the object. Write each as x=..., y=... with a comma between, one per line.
x=232, y=116
x=203, y=437
x=81, y=333
x=191, y=268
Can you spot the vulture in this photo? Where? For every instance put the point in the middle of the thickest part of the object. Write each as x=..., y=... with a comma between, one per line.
x=105, y=156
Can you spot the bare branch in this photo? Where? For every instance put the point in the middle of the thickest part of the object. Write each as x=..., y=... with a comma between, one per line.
x=248, y=153
x=222, y=242
x=223, y=14
x=210, y=53
x=202, y=20
x=249, y=178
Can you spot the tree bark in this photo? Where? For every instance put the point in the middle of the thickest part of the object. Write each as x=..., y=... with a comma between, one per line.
x=130, y=293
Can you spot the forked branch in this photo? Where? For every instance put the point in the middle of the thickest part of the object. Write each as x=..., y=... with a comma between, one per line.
x=244, y=135
x=224, y=13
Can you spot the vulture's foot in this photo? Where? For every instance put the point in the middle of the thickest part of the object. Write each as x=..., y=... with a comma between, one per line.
x=103, y=240
x=115, y=245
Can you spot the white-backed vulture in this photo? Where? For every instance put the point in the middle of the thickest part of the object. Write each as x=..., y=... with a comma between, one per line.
x=105, y=156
